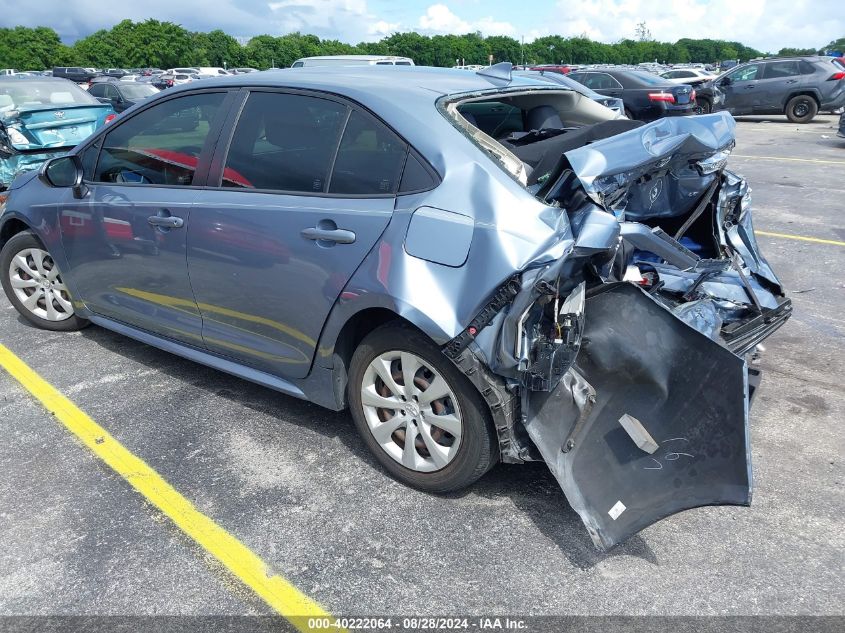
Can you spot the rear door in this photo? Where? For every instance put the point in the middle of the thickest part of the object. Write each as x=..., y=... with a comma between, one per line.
x=307, y=185
x=780, y=78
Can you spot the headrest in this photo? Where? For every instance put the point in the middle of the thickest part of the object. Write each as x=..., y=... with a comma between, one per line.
x=290, y=127
x=543, y=117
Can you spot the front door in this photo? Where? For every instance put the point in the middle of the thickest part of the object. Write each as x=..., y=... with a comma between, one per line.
x=742, y=91
x=307, y=186
x=126, y=239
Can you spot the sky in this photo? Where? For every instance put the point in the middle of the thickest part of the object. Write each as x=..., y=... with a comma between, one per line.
x=766, y=25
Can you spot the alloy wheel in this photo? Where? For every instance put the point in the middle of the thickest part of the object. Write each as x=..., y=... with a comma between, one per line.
x=37, y=283
x=411, y=411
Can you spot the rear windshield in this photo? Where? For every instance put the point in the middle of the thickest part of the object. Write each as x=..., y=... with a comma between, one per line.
x=25, y=94
x=138, y=91
x=647, y=78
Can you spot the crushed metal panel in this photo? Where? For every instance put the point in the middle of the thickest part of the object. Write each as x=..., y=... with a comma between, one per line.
x=640, y=360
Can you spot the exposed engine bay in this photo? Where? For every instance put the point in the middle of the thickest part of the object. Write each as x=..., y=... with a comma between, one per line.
x=627, y=358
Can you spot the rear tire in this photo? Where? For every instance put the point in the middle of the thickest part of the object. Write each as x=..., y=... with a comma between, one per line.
x=801, y=109
x=629, y=114
x=440, y=459
x=33, y=284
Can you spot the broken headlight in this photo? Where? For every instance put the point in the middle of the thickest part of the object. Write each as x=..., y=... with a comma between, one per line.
x=17, y=137
x=713, y=163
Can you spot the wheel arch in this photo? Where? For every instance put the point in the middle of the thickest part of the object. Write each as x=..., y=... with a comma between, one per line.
x=11, y=227
x=338, y=353
x=807, y=92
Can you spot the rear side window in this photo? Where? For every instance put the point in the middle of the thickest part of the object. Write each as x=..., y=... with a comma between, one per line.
x=162, y=144
x=600, y=81
x=369, y=160
x=776, y=70
x=284, y=142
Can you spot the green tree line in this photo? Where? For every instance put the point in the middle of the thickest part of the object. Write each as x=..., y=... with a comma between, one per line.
x=164, y=45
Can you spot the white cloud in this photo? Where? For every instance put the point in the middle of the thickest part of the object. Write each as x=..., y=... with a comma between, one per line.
x=382, y=29
x=766, y=25
x=438, y=18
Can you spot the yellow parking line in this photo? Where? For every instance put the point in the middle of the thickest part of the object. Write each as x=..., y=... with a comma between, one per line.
x=276, y=591
x=790, y=158
x=788, y=236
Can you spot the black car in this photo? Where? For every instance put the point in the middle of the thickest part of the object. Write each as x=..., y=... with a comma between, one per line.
x=646, y=96
x=74, y=73
x=798, y=87
x=122, y=95
x=708, y=97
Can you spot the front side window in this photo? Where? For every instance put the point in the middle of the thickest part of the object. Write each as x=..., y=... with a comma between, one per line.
x=284, y=142
x=162, y=144
x=749, y=73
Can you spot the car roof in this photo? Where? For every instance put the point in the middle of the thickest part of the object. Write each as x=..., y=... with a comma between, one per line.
x=39, y=78
x=372, y=84
x=403, y=96
x=365, y=58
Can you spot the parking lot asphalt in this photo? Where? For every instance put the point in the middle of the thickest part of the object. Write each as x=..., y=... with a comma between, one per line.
x=295, y=484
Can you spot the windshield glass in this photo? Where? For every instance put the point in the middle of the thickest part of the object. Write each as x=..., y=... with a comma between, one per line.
x=32, y=94
x=138, y=91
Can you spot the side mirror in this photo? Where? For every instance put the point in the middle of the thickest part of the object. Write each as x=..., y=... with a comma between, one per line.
x=65, y=172
x=726, y=81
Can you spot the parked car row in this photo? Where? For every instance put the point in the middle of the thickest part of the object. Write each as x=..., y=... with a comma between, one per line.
x=798, y=87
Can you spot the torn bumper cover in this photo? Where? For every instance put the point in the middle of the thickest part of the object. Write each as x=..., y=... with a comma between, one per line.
x=629, y=353
x=651, y=420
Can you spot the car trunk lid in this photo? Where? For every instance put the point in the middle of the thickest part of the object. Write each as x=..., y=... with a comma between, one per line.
x=60, y=125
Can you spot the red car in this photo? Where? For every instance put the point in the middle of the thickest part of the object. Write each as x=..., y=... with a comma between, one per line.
x=553, y=68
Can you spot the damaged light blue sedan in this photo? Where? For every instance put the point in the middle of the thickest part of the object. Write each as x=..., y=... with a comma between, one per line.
x=482, y=268
x=43, y=117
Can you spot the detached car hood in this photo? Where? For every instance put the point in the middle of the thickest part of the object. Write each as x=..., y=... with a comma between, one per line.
x=631, y=351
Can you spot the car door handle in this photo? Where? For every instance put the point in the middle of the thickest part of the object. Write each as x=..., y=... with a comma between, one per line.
x=749, y=87
x=166, y=221
x=341, y=236
x=792, y=81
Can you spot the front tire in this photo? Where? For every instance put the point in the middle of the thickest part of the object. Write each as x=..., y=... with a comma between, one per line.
x=402, y=387
x=801, y=109
x=33, y=284
x=703, y=106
